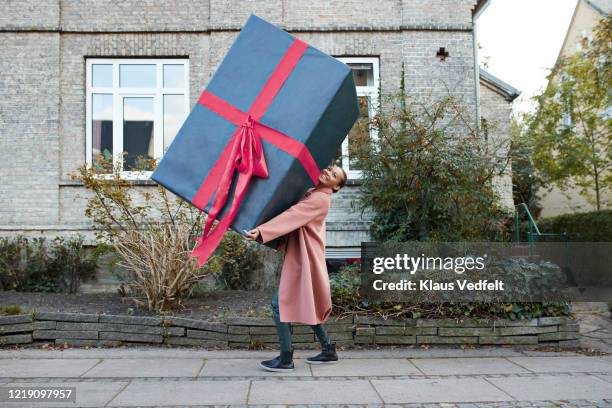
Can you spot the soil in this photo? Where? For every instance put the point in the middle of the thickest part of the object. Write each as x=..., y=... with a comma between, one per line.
x=213, y=307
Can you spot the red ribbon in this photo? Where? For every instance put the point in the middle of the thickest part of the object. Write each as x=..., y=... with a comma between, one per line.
x=244, y=152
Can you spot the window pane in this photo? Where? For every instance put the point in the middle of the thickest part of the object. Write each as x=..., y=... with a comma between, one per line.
x=363, y=73
x=137, y=76
x=174, y=114
x=102, y=131
x=138, y=117
x=360, y=133
x=102, y=75
x=173, y=76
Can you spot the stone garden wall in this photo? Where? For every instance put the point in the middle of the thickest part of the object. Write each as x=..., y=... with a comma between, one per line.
x=109, y=330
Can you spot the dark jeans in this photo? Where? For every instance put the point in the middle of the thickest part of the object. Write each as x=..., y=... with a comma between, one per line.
x=284, y=328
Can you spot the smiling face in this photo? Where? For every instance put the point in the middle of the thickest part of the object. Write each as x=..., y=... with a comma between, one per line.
x=332, y=177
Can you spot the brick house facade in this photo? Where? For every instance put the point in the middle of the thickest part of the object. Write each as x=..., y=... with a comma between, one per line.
x=46, y=62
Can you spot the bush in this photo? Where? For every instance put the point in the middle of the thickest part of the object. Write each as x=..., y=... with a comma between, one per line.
x=37, y=266
x=594, y=226
x=151, y=232
x=236, y=259
x=428, y=175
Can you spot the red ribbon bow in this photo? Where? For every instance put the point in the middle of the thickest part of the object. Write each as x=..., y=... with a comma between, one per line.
x=244, y=152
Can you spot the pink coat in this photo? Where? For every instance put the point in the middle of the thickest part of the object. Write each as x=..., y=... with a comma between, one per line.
x=304, y=295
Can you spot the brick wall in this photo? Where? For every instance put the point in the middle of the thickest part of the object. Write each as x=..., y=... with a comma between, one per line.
x=496, y=110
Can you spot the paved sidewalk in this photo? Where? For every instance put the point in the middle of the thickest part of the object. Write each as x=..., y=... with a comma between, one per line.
x=150, y=376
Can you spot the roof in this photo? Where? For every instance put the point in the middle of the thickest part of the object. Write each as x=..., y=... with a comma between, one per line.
x=603, y=7
x=508, y=91
x=481, y=5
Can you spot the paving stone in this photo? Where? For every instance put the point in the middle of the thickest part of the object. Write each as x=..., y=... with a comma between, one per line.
x=16, y=339
x=238, y=329
x=303, y=338
x=567, y=335
x=182, y=393
x=144, y=320
x=467, y=366
x=174, y=331
x=508, y=340
x=77, y=326
x=446, y=340
x=568, y=343
x=238, y=344
x=339, y=328
x=131, y=328
x=187, y=341
x=438, y=390
x=365, y=331
x=452, y=323
x=395, y=339
x=16, y=328
x=355, y=367
x=198, y=324
x=44, y=324
x=46, y=367
x=569, y=327
x=379, y=321
x=265, y=338
x=549, y=321
x=239, y=338
x=208, y=335
x=66, y=317
x=239, y=367
x=147, y=367
x=88, y=394
x=392, y=330
x=511, y=323
x=15, y=319
x=80, y=343
x=250, y=321
x=518, y=330
x=263, y=330
x=563, y=364
x=465, y=331
x=65, y=334
x=334, y=336
x=134, y=337
x=364, y=339
x=307, y=392
x=554, y=387
x=303, y=329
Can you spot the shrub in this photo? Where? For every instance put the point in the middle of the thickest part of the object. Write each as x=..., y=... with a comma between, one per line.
x=158, y=259
x=150, y=231
x=37, y=266
x=428, y=175
x=236, y=259
x=594, y=226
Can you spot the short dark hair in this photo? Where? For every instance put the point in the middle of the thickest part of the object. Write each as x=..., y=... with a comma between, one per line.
x=343, y=181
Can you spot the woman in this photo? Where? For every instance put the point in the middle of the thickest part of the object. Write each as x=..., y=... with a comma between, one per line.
x=303, y=295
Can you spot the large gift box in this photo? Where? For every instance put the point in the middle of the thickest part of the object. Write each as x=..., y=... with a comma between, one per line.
x=273, y=115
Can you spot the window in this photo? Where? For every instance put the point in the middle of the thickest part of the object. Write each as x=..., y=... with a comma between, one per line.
x=365, y=74
x=135, y=107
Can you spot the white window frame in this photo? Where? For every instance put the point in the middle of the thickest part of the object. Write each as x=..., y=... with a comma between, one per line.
x=372, y=93
x=118, y=94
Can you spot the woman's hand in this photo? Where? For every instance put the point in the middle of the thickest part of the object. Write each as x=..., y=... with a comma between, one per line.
x=253, y=235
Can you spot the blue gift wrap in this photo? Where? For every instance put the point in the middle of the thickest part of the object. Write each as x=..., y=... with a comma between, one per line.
x=316, y=105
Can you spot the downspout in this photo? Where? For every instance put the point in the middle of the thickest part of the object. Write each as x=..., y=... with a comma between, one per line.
x=476, y=66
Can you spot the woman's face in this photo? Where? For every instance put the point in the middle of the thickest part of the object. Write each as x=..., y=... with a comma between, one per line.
x=331, y=177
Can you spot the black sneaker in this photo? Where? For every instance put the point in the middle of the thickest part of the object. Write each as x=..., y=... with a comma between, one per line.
x=282, y=363
x=326, y=356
